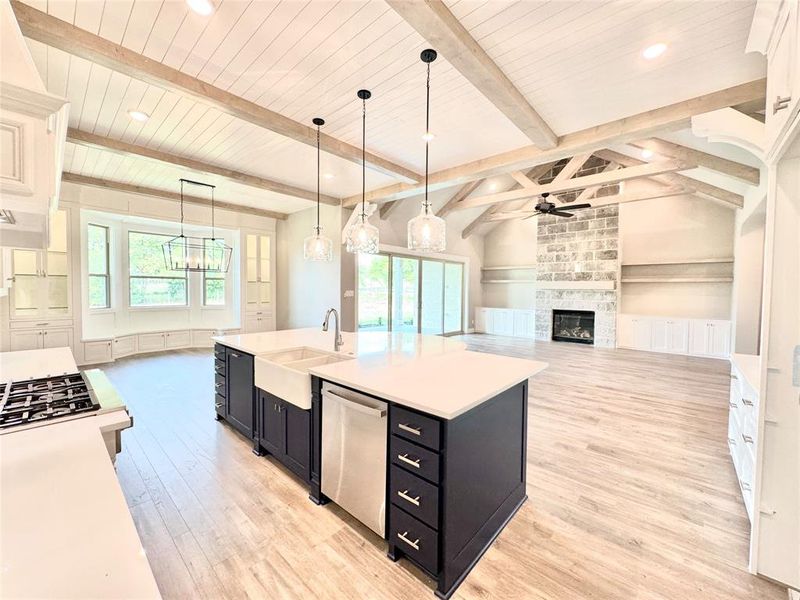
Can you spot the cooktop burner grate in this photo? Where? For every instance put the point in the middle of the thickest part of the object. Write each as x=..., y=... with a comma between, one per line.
x=43, y=399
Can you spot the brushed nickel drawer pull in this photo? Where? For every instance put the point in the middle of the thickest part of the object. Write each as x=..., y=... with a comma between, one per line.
x=218, y=404
x=732, y=404
x=405, y=459
x=732, y=441
x=780, y=103
x=404, y=495
x=747, y=439
x=234, y=355
x=218, y=384
x=747, y=402
x=745, y=486
x=414, y=544
x=409, y=429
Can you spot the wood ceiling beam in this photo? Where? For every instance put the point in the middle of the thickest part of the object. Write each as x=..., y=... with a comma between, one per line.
x=462, y=193
x=627, y=174
x=621, y=131
x=573, y=166
x=744, y=173
x=174, y=196
x=54, y=32
x=387, y=208
x=590, y=191
x=702, y=188
x=479, y=220
x=91, y=140
x=434, y=22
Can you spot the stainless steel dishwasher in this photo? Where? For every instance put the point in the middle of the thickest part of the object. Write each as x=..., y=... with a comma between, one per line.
x=354, y=434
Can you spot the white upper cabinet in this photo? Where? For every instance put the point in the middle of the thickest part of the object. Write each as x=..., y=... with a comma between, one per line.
x=258, y=271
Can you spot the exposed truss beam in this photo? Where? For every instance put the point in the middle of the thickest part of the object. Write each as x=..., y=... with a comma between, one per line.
x=434, y=22
x=573, y=166
x=462, y=193
x=622, y=131
x=479, y=220
x=91, y=140
x=146, y=191
x=637, y=172
x=744, y=173
x=59, y=34
x=386, y=208
x=705, y=189
x=590, y=191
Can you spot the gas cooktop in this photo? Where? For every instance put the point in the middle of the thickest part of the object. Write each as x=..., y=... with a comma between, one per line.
x=35, y=401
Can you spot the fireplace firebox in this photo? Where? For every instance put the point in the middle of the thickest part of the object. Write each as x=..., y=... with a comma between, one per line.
x=573, y=326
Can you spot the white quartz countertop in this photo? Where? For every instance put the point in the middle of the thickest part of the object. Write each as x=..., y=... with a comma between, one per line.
x=433, y=374
x=65, y=529
x=32, y=364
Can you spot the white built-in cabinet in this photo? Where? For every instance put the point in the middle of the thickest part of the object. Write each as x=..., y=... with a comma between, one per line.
x=511, y=322
x=259, y=248
x=697, y=337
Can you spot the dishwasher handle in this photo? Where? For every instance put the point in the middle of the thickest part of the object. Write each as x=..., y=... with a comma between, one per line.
x=378, y=413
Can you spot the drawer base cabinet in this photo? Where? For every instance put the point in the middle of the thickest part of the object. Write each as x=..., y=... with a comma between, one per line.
x=694, y=337
x=453, y=484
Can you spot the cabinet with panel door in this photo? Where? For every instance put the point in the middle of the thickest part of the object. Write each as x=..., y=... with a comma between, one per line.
x=284, y=431
x=259, y=277
x=696, y=337
x=36, y=339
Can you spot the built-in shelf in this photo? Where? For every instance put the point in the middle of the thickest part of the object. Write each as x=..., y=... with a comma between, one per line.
x=677, y=280
x=508, y=281
x=688, y=261
x=509, y=268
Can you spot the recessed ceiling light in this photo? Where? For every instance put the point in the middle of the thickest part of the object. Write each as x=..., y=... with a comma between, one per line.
x=647, y=154
x=492, y=186
x=654, y=51
x=201, y=7
x=428, y=136
x=329, y=176
x=138, y=115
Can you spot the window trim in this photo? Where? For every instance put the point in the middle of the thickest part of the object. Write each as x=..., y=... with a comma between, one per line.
x=220, y=275
x=187, y=301
x=106, y=275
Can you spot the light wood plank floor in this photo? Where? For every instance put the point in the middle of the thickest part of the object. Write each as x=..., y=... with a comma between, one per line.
x=631, y=491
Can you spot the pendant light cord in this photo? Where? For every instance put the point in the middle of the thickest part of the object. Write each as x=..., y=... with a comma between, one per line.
x=363, y=159
x=213, y=237
x=182, y=208
x=318, y=179
x=427, y=133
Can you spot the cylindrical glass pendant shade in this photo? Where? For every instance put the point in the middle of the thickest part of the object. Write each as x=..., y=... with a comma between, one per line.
x=362, y=237
x=318, y=247
x=427, y=232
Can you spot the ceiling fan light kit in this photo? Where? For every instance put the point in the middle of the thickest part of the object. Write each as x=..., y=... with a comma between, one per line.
x=426, y=231
x=317, y=247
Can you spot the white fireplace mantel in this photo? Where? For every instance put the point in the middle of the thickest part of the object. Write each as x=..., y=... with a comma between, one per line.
x=604, y=285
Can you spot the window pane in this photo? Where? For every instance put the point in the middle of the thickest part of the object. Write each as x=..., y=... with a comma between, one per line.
x=146, y=256
x=157, y=292
x=373, y=292
x=453, y=297
x=98, y=291
x=97, y=243
x=432, y=300
x=405, y=293
x=215, y=292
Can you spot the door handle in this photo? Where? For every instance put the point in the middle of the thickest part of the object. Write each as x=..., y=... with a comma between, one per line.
x=234, y=355
x=404, y=495
x=408, y=461
x=780, y=103
x=414, y=544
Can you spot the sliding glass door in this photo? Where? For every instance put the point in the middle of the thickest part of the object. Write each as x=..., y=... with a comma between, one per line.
x=406, y=293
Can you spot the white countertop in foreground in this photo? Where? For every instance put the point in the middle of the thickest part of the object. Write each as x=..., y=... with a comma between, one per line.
x=433, y=374
x=33, y=364
x=65, y=529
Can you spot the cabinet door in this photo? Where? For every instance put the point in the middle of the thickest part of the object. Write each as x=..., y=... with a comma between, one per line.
x=659, y=335
x=297, y=439
x=178, y=339
x=271, y=424
x=625, y=338
x=480, y=320
x=57, y=338
x=781, y=71
x=124, y=346
x=149, y=342
x=240, y=391
x=642, y=333
x=719, y=339
x=25, y=339
x=97, y=352
x=698, y=337
x=678, y=336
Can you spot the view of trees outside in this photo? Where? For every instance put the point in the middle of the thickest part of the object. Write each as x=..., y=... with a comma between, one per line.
x=97, y=242
x=151, y=283
x=373, y=292
x=213, y=283
x=405, y=293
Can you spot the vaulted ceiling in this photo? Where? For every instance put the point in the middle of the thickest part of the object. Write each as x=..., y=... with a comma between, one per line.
x=578, y=64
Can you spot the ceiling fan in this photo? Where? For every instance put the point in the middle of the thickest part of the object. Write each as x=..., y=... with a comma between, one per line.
x=549, y=208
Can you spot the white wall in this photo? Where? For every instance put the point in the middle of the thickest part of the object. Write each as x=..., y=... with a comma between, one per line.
x=510, y=243
x=306, y=289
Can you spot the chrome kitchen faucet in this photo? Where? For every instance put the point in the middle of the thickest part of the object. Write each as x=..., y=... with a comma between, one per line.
x=337, y=342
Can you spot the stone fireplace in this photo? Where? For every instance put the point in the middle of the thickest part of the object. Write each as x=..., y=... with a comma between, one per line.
x=573, y=326
x=577, y=269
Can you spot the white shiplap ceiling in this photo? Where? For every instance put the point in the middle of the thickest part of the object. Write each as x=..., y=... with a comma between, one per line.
x=577, y=62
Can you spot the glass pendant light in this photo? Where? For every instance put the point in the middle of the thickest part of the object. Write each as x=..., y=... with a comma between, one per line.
x=317, y=246
x=426, y=231
x=362, y=236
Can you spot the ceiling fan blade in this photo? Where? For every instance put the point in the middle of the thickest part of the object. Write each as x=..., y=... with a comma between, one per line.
x=577, y=206
x=536, y=214
x=559, y=213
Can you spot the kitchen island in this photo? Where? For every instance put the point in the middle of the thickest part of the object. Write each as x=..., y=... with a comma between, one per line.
x=450, y=451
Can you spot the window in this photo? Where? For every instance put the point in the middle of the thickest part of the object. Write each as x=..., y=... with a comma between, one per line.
x=151, y=283
x=99, y=289
x=213, y=284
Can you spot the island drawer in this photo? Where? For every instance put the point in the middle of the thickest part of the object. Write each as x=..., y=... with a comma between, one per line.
x=414, y=539
x=219, y=384
x=219, y=352
x=414, y=495
x=219, y=404
x=415, y=459
x=219, y=366
x=413, y=426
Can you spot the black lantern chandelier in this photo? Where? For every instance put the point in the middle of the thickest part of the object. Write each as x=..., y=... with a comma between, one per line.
x=186, y=253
